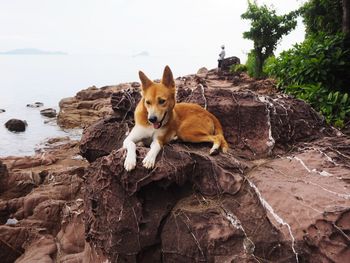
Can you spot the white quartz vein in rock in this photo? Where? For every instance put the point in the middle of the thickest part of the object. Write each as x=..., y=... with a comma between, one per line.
x=269, y=208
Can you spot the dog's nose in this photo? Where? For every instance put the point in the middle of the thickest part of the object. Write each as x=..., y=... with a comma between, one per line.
x=152, y=119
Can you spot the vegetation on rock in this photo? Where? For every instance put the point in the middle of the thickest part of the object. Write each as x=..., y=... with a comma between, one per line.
x=316, y=70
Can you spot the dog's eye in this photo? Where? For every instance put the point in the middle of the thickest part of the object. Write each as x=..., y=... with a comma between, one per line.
x=161, y=101
x=148, y=102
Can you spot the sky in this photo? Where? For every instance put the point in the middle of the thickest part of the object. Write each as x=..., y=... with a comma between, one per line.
x=127, y=27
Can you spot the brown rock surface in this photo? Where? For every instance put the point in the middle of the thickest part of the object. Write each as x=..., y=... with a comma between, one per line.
x=49, y=112
x=87, y=106
x=257, y=123
x=16, y=125
x=281, y=194
x=102, y=137
x=41, y=194
x=307, y=196
x=197, y=208
x=228, y=62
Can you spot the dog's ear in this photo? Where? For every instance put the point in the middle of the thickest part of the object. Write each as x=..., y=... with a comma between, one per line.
x=168, y=79
x=146, y=82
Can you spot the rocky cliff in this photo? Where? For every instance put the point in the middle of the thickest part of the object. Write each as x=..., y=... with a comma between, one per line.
x=281, y=194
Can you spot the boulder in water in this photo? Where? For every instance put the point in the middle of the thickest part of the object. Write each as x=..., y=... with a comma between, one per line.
x=49, y=112
x=35, y=105
x=16, y=125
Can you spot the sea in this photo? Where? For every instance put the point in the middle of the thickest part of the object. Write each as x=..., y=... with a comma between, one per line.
x=25, y=79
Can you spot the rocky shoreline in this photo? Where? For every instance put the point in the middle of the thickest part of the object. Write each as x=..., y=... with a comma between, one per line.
x=281, y=194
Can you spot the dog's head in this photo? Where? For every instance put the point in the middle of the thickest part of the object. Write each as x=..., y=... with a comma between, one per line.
x=158, y=98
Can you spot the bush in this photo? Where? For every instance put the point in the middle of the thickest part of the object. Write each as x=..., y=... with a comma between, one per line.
x=319, y=59
x=251, y=64
x=325, y=15
x=316, y=71
x=335, y=106
x=238, y=68
x=268, y=62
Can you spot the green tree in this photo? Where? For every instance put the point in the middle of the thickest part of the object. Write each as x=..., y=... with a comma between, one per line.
x=330, y=17
x=322, y=15
x=267, y=28
x=317, y=70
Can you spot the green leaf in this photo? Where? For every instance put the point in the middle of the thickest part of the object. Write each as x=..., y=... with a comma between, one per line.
x=345, y=98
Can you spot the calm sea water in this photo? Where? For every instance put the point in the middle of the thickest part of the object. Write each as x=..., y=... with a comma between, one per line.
x=26, y=79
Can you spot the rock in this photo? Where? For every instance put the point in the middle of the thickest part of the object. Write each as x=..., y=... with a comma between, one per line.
x=11, y=221
x=40, y=251
x=141, y=203
x=92, y=104
x=228, y=62
x=202, y=72
x=281, y=194
x=23, y=162
x=101, y=138
x=193, y=207
x=124, y=102
x=49, y=112
x=3, y=177
x=16, y=125
x=312, y=182
x=41, y=208
x=2, y=110
x=35, y=105
x=255, y=124
x=87, y=107
x=12, y=240
x=51, y=121
x=135, y=84
x=91, y=93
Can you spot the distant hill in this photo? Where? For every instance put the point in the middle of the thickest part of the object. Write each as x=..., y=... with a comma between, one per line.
x=31, y=51
x=141, y=54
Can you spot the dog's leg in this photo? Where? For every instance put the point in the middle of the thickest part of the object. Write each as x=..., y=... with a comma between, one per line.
x=136, y=134
x=151, y=156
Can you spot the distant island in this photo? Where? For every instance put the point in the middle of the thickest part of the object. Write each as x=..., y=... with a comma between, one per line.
x=31, y=51
x=141, y=54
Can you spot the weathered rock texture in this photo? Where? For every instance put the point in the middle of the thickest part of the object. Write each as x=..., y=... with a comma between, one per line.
x=102, y=137
x=16, y=125
x=228, y=62
x=49, y=112
x=87, y=106
x=42, y=194
x=281, y=194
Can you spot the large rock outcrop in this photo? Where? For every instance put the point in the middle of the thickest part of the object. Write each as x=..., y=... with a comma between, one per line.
x=281, y=194
x=41, y=206
x=87, y=106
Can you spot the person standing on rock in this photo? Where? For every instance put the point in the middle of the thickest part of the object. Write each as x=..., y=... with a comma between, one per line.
x=221, y=57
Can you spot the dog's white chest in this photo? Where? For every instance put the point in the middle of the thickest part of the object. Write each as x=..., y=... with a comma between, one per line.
x=147, y=132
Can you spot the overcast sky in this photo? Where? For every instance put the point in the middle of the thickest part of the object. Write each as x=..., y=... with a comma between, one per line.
x=130, y=26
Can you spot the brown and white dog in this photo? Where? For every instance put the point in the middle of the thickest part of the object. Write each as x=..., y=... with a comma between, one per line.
x=159, y=117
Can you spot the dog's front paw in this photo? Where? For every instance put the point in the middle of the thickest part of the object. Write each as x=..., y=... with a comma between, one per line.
x=149, y=161
x=129, y=164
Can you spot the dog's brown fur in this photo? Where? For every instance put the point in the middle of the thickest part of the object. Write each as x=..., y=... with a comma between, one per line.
x=186, y=121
